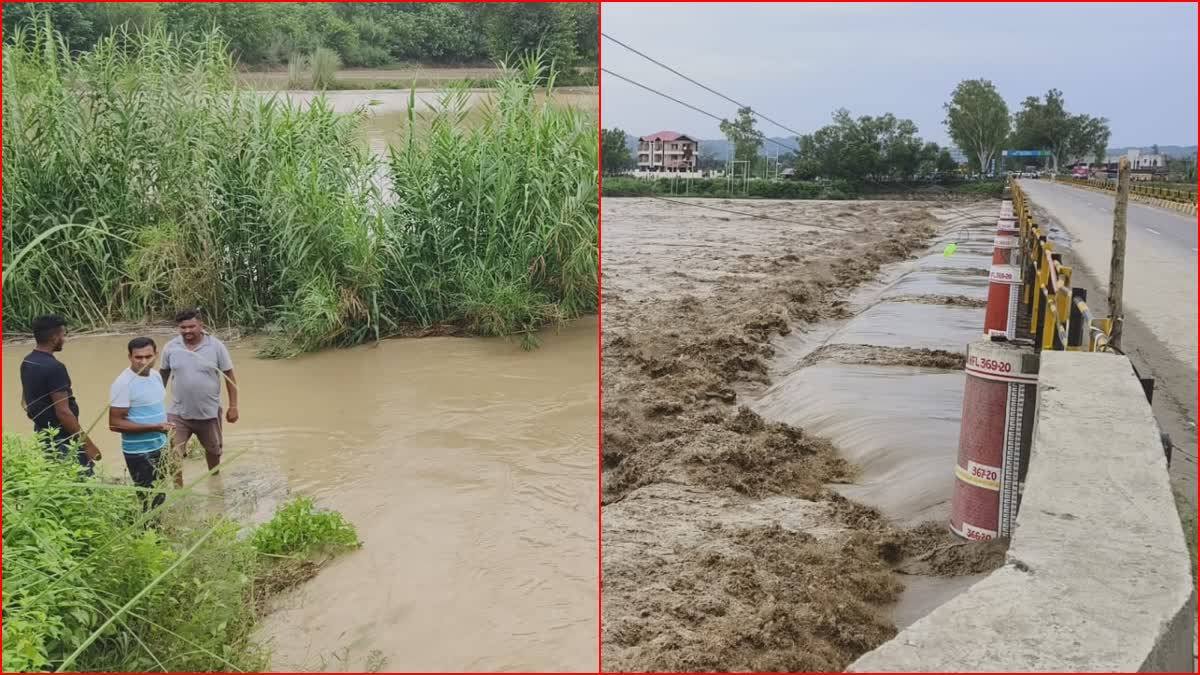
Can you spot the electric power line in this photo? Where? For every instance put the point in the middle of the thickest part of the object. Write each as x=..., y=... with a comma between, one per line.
x=702, y=86
x=758, y=134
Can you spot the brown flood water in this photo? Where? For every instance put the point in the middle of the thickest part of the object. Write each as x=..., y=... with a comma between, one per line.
x=387, y=118
x=467, y=465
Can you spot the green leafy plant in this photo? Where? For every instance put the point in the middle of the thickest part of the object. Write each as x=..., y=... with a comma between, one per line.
x=298, y=529
x=88, y=586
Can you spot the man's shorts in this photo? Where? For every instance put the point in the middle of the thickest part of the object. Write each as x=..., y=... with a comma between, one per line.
x=143, y=467
x=208, y=432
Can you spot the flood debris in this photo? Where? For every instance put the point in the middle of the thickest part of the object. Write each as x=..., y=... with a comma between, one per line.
x=725, y=548
x=886, y=356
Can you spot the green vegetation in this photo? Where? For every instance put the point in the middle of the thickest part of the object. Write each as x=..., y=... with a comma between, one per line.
x=362, y=34
x=89, y=587
x=323, y=66
x=867, y=148
x=1046, y=125
x=497, y=224
x=745, y=139
x=614, y=151
x=141, y=179
x=978, y=122
x=298, y=529
x=781, y=189
x=719, y=187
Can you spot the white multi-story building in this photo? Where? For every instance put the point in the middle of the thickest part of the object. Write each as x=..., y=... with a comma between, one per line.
x=1140, y=160
x=667, y=151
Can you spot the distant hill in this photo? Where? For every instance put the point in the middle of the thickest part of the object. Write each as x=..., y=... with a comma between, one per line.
x=1178, y=151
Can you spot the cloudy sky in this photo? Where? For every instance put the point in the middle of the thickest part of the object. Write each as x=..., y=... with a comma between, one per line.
x=1134, y=63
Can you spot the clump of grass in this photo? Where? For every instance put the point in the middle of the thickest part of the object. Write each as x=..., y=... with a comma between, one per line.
x=495, y=225
x=88, y=586
x=297, y=529
x=324, y=64
x=296, y=71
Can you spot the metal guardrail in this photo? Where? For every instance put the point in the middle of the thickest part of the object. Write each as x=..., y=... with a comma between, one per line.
x=1168, y=194
x=1059, y=316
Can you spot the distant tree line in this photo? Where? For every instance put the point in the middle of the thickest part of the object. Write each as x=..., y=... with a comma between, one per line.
x=887, y=148
x=363, y=34
x=978, y=120
x=882, y=148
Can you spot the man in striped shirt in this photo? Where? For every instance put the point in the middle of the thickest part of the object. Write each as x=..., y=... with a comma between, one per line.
x=137, y=411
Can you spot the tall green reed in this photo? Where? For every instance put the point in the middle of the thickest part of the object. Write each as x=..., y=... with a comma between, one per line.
x=270, y=215
x=495, y=224
x=324, y=63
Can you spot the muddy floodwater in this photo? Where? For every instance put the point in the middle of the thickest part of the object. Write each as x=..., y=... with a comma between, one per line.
x=387, y=109
x=782, y=399
x=467, y=465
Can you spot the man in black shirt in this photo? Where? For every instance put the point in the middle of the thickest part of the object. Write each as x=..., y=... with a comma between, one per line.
x=47, y=396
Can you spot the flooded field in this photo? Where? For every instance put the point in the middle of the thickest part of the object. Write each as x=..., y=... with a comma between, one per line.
x=388, y=108
x=749, y=390
x=467, y=465
x=278, y=79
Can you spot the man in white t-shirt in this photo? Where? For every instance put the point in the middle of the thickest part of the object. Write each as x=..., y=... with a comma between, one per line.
x=137, y=411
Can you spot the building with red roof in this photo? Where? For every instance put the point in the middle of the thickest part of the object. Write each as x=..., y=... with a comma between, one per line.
x=667, y=151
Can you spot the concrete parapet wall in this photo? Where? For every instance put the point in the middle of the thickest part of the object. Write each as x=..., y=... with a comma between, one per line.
x=1098, y=575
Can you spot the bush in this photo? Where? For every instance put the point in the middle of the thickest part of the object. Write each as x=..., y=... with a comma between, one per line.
x=298, y=530
x=368, y=56
x=324, y=64
x=88, y=587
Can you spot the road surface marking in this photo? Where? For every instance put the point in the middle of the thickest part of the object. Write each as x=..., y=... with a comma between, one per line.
x=1152, y=231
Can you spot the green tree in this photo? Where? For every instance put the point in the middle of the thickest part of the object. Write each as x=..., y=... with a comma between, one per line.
x=362, y=33
x=977, y=121
x=945, y=163
x=247, y=25
x=1088, y=138
x=741, y=133
x=112, y=16
x=614, y=151
x=76, y=21
x=1046, y=125
x=865, y=148
x=516, y=26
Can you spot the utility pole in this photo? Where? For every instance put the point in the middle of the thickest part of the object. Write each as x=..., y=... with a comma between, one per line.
x=1116, y=269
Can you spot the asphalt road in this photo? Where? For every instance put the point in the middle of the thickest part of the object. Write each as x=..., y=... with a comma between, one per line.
x=1175, y=230
x=1160, y=257
x=1159, y=291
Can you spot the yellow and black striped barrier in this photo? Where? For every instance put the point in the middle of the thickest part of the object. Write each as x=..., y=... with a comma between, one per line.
x=1167, y=198
x=1057, y=314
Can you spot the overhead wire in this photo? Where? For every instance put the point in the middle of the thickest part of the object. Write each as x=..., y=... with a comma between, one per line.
x=945, y=204
x=758, y=134
x=698, y=84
